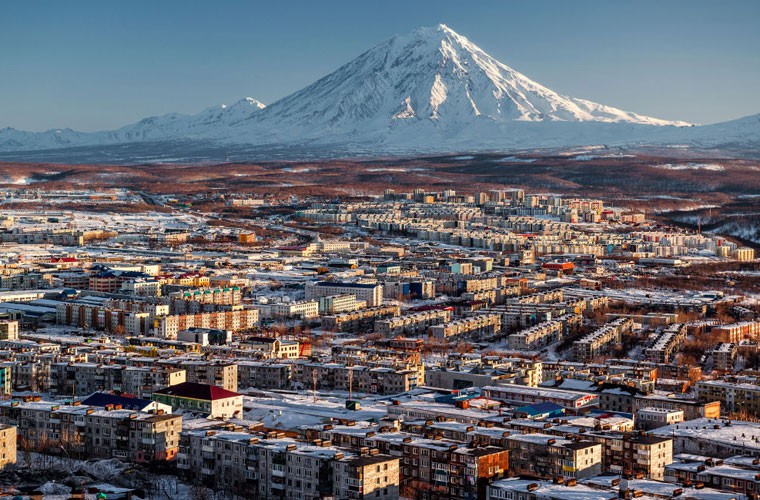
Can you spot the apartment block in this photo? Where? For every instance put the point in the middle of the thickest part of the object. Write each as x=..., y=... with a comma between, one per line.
x=692, y=408
x=479, y=325
x=264, y=375
x=80, y=430
x=7, y=445
x=736, y=332
x=269, y=466
x=219, y=295
x=336, y=304
x=358, y=321
x=216, y=372
x=654, y=418
x=733, y=396
x=8, y=330
x=235, y=320
x=372, y=293
x=724, y=356
x=546, y=456
x=537, y=337
x=377, y=380
x=601, y=340
x=415, y=324
x=666, y=345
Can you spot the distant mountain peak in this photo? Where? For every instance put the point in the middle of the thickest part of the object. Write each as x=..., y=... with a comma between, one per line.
x=431, y=89
x=246, y=102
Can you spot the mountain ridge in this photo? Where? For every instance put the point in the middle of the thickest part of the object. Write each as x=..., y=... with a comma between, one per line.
x=428, y=90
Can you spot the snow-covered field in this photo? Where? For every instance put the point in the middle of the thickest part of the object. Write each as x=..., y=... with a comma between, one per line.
x=714, y=167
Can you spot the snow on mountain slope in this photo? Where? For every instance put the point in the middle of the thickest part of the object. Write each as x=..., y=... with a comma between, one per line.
x=430, y=75
x=744, y=130
x=173, y=126
x=429, y=90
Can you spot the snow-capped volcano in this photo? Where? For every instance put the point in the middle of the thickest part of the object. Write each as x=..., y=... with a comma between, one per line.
x=430, y=78
x=437, y=74
x=429, y=90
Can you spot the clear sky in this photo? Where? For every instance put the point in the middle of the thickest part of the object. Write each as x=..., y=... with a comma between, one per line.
x=93, y=65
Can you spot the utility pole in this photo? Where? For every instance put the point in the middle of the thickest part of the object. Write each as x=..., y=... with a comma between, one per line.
x=350, y=383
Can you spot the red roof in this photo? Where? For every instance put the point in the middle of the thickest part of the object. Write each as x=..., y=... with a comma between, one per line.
x=197, y=391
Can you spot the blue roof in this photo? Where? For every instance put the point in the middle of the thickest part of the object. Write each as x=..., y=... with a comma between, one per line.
x=103, y=399
x=540, y=408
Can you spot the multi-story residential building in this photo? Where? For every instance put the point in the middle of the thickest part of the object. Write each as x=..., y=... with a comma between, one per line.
x=724, y=356
x=143, y=380
x=631, y=453
x=358, y=321
x=363, y=379
x=372, y=293
x=510, y=371
x=62, y=237
x=24, y=279
x=101, y=318
x=81, y=430
x=537, y=337
x=336, y=304
x=412, y=324
x=201, y=398
x=142, y=287
x=218, y=296
x=7, y=445
x=205, y=336
x=713, y=437
x=692, y=408
x=265, y=375
x=666, y=345
x=216, y=372
x=6, y=378
x=599, y=341
x=733, y=396
x=367, y=476
x=271, y=347
x=8, y=329
x=409, y=288
x=479, y=325
x=653, y=418
x=441, y=469
x=736, y=332
x=734, y=475
x=235, y=320
x=273, y=467
x=546, y=456
x=304, y=309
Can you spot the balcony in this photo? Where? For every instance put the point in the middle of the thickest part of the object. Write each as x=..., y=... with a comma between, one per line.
x=278, y=473
x=207, y=448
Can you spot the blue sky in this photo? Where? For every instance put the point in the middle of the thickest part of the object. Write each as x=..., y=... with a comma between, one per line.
x=92, y=65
